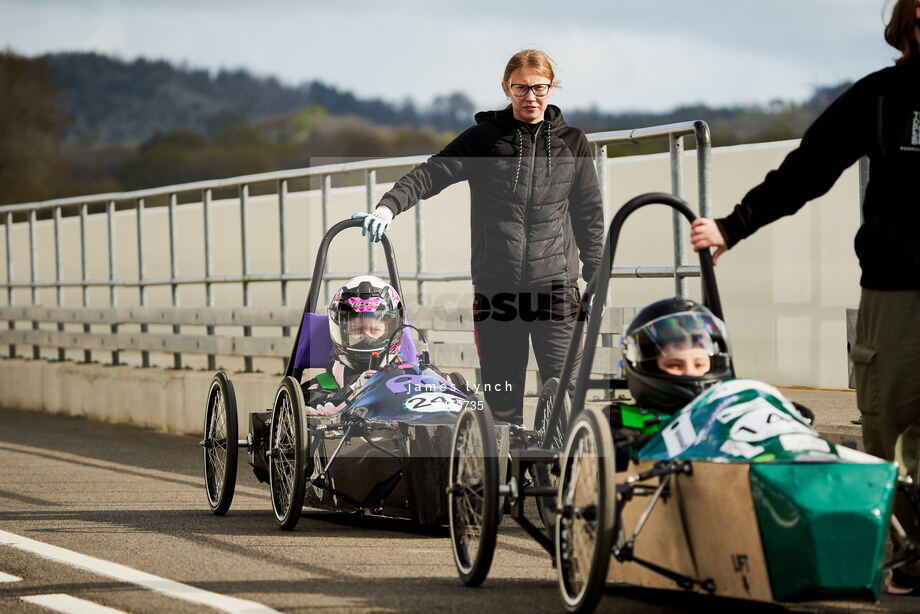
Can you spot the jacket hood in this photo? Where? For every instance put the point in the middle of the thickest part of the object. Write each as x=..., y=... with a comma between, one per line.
x=553, y=115
x=505, y=121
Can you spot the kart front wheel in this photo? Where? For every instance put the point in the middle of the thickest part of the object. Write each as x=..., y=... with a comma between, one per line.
x=542, y=474
x=473, y=494
x=288, y=454
x=587, y=511
x=220, y=444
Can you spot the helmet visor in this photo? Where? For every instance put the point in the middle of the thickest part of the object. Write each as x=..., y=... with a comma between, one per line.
x=684, y=333
x=368, y=331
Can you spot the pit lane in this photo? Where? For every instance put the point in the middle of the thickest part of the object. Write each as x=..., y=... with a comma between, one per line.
x=135, y=497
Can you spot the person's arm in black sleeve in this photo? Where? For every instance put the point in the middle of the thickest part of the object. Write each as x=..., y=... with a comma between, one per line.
x=586, y=210
x=839, y=137
x=445, y=168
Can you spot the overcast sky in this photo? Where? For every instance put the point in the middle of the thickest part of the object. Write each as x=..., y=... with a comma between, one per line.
x=615, y=54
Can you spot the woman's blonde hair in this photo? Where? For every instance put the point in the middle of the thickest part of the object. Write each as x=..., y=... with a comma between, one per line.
x=530, y=58
x=899, y=33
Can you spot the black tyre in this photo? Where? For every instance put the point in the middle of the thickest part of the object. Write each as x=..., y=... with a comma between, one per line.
x=220, y=444
x=473, y=493
x=542, y=475
x=288, y=454
x=585, y=524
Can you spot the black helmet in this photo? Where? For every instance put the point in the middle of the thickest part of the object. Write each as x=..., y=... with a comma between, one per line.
x=364, y=313
x=680, y=324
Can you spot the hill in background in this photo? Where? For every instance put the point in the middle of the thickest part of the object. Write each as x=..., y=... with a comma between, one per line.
x=109, y=125
x=116, y=102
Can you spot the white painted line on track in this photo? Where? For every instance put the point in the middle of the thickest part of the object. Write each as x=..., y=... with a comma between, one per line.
x=69, y=605
x=5, y=577
x=122, y=573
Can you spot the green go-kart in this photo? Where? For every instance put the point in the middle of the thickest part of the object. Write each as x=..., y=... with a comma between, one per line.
x=735, y=495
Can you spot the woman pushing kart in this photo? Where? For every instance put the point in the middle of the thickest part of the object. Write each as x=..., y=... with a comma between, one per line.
x=535, y=211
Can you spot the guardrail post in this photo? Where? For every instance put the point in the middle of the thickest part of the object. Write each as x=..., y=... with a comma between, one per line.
x=33, y=256
x=58, y=265
x=600, y=166
x=370, y=177
x=419, y=253
x=174, y=287
x=113, y=298
x=84, y=290
x=244, y=246
x=9, y=275
x=703, y=167
x=141, y=285
x=704, y=173
x=282, y=247
x=208, y=266
x=325, y=188
x=676, y=149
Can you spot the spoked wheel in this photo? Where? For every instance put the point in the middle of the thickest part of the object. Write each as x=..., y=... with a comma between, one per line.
x=220, y=444
x=473, y=494
x=585, y=523
x=288, y=454
x=556, y=440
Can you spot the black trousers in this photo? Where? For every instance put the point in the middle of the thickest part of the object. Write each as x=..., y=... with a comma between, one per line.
x=504, y=323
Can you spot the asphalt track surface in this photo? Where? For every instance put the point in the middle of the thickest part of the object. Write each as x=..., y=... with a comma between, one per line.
x=107, y=494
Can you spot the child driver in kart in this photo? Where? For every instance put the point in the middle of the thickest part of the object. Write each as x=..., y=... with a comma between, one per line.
x=673, y=351
x=363, y=315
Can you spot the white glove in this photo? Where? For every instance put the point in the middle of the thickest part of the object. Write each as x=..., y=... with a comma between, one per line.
x=376, y=223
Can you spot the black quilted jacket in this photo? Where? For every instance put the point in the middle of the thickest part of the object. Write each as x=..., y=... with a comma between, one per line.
x=535, y=203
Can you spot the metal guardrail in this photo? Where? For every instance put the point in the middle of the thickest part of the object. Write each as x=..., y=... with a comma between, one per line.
x=223, y=338
x=675, y=133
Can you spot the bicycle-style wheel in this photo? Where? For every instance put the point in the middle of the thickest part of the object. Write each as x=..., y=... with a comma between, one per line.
x=220, y=444
x=585, y=524
x=542, y=475
x=473, y=494
x=288, y=454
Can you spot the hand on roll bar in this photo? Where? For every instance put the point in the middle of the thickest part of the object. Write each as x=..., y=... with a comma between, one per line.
x=705, y=233
x=376, y=223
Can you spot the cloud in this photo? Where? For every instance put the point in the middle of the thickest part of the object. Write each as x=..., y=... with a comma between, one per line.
x=614, y=55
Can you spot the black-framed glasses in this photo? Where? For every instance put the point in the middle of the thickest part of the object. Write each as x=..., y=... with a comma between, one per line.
x=539, y=90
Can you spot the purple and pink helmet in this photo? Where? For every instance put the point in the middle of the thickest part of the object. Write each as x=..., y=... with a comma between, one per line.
x=363, y=315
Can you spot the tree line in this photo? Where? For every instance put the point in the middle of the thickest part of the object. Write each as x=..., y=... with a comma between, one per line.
x=82, y=123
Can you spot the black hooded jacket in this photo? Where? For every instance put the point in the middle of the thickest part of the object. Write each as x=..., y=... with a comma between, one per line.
x=535, y=203
x=879, y=116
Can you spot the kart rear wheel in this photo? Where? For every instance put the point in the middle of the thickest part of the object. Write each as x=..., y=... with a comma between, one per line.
x=585, y=523
x=220, y=444
x=473, y=494
x=288, y=454
x=546, y=506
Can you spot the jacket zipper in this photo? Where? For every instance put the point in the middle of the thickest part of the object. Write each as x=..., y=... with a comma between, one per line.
x=533, y=173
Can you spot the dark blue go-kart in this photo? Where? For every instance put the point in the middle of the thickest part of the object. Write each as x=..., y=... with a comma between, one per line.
x=387, y=452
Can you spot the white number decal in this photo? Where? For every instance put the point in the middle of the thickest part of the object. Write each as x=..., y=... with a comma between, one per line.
x=679, y=435
x=764, y=423
x=433, y=401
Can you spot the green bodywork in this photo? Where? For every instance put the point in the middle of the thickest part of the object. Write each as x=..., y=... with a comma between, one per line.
x=646, y=421
x=823, y=527
x=823, y=510
x=326, y=381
